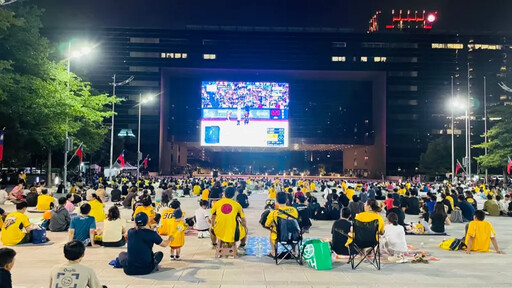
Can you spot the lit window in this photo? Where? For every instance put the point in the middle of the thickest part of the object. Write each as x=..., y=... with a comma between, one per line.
x=503, y=68
x=173, y=55
x=447, y=46
x=364, y=59
x=144, y=40
x=503, y=97
x=143, y=54
x=487, y=47
x=209, y=56
x=379, y=59
x=339, y=58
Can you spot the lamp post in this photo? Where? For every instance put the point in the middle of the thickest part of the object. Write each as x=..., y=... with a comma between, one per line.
x=144, y=100
x=3, y=2
x=485, y=122
x=84, y=50
x=468, y=129
x=454, y=104
x=114, y=85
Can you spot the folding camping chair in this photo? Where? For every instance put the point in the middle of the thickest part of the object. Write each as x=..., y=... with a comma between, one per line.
x=289, y=236
x=365, y=242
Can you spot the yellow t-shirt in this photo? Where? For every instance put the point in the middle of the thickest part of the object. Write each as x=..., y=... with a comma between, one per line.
x=401, y=191
x=148, y=210
x=204, y=195
x=344, y=186
x=449, y=198
x=312, y=186
x=197, y=190
x=166, y=221
x=482, y=231
x=369, y=217
x=272, y=218
x=44, y=201
x=177, y=231
x=272, y=193
x=350, y=193
x=227, y=212
x=97, y=210
x=12, y=234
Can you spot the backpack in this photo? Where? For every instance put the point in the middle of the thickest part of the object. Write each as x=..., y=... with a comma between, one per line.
x=263, y=218
x=452, y=244
x=456, y=216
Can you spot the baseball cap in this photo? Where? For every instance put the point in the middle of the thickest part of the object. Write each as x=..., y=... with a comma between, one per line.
x=141, y=219
x=177, y=214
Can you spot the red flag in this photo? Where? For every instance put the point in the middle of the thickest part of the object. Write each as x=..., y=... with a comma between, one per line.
x=121, y=159
x=1, y=145
x=80, y=153
x=457, y=167
x=145, y=162
x=509, y=165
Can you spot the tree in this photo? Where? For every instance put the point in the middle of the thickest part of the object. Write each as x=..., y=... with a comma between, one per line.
x=499, y=141
x=437, y=159
x=36, y=106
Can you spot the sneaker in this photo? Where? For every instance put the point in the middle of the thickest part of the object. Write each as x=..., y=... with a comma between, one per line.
x=241, y=249
x=177, y=257
x=172, y=258
x=214, y=246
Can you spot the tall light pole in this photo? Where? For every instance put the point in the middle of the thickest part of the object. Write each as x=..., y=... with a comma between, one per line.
x=468, y=129
x=141, y=101
x=114, y=85
x=68, y=145
x=3, y=2
x=453, y=137
x=485, y=122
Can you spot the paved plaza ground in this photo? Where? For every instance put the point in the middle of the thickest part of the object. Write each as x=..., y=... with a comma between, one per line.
x=199, y=268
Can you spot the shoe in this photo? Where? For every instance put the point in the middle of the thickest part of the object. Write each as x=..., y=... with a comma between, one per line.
x=241, y=249
x=172, y=258
x=214, y=246
x=392, y=259
x=417, y=258
x=177, y=257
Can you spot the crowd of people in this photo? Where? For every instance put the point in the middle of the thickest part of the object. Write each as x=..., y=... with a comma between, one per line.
x=158, y=218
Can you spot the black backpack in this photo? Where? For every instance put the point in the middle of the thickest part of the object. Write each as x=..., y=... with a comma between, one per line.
x=263, y=218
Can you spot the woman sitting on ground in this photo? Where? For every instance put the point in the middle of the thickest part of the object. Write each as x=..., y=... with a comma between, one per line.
x=394, y=239
x=114, y=229
x=97, y=207
x=438, y=219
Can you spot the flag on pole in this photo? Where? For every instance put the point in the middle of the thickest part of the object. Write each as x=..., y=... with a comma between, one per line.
x=146, y=162
x=509, y=165
x=120, y=158
x=80, y=153
x=1, y=145
x=457, y=167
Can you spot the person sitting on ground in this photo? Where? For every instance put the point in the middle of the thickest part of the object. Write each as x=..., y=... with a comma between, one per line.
x=471, y=200
x=399, y=213
x=438, y=219
x=114, y=229
x=343, y=200
x=425, y=215
x=389, y=201
x=45, y=201
x=491, y=206
x=128, y=200
x=446, y=203
x=228, y=221
x=7, y=256
x=16, y=193
x=339, y=231
x=147, y=207
x=60, y=218
x=203, y=222
x=101, y=193
x=355, y=206
x=283, y=211
x=70, y=206
x=31, y=197
x=83, y=227
x=480, y=234
x=412, y=204
x=466, y=209
x=242, y=199
x=115, y=195
x=72, y=273
x=431, y=202
x=502, y=205
x=140, y=259
x=371, y=213
x=394, y=239
x=4, y=196
x=304, y=217
x=97, y=207
x=15, y=224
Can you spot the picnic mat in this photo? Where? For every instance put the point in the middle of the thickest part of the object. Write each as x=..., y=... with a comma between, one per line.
x=426, y=234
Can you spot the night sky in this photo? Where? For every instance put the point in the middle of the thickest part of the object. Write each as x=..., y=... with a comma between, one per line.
x=454, y=15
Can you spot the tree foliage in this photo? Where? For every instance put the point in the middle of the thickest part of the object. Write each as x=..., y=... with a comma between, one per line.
x=499, y=141
x=437, y=160
x=36, y=106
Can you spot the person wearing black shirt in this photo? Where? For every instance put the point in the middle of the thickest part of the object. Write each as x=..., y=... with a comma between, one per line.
x=439, y=218
x=447, y=203
x=340, y=229
x=242, y=199
x=115, y=195
x=412, y=205
x=6, y=263
x=31, y=198
x=343, y=199
x=396, y=209
x=124, y=189
x=216, y=191
x=304, y=213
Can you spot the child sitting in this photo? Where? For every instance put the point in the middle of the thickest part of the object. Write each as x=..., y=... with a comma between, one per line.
x=177, y=231
x=6, y=263
x=202, y=220
x=394, y=239
x=73, y=274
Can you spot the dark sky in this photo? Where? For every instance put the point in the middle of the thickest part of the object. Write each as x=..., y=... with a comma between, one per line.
x=454, y=15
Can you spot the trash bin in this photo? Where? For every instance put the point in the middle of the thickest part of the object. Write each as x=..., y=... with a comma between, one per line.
x=317, y=254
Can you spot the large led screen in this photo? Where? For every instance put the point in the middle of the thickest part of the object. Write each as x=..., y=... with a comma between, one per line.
x=244, y=114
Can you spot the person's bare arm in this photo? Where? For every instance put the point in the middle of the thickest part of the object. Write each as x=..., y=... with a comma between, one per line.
x=165, y=243
x=447, y=221
x=495, y=245
x=71, y=233
x=470, y=244
x=92, y=232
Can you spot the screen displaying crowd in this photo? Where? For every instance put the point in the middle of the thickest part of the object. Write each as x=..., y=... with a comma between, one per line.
x=244, y=94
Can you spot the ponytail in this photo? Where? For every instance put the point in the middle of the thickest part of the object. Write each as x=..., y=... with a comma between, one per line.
x=393, y=218
x=373, y=205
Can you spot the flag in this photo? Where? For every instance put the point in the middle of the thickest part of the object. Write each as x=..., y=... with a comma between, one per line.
x=120, y=158
x=1, y=145
x=146, y=162
x=457, y=167
x=509, y=165
x=80, y=153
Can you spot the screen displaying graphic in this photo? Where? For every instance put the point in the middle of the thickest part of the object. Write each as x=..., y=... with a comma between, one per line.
x=244, y=114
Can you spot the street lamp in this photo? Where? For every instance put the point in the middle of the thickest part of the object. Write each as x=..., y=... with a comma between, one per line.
x=455, y=104
x=80, y=52
x=142, y=100
x=3, y=2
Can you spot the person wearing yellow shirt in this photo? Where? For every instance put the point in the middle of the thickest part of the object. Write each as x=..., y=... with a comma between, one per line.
x=17, y=227
x=45, y=201
x=401, y=191
x=272, y=192
x=228, y=221
x=147, y=208
x=480, y=234
x=312, y=186
x=97, y=208
x=205, y=194
x=196, y=189
x=280, y=212
x=350, y=192
x=371, y=213
x=177, y=232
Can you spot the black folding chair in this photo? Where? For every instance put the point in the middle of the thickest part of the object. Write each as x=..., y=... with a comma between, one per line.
x=365, y=243
x=289, y=236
